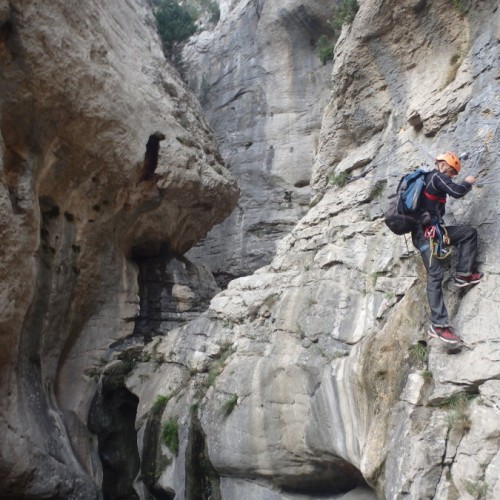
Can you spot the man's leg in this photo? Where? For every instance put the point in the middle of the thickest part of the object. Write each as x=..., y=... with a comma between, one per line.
x=439, y=314
x=465, y=237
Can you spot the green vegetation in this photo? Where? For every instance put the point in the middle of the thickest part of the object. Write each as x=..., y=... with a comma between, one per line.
x=377, y=190
x=175, y=23
x=458, y=410
x=477, y=489
x=461, y=5
x=219, y=363
x=375, y=276
x=170, y=435
x=229, y=404
x=339, y=180
x=205, y=88
x=343, y=14
x=159, y=404
x=418, y=353
x=324, y=49
x=176, y=20
x=212, y=8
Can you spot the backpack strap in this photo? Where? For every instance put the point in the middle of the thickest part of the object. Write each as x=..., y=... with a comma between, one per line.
x=433, y=197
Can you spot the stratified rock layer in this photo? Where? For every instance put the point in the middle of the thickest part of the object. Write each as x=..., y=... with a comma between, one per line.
x=83, y=89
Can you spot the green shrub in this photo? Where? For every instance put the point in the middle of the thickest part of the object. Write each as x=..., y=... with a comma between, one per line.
x=212, y=8
x=170, y=435
x=343, y=14
x=339, y=180
x=377, y=190
x=174, y=22
x=418, y=353
x=458, y=410
x=218, y=364
x=159, y=404
x=229, y=404
x=324, y=49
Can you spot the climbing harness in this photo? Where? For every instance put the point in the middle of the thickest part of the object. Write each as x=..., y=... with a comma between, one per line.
x=438, y=241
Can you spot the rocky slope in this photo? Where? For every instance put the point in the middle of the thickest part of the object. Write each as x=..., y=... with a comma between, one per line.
x=83, y=91
x=263, y=89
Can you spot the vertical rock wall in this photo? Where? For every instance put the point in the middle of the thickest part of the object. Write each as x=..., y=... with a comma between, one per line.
x=83, y=89
x=314, y=376
x=263, y=89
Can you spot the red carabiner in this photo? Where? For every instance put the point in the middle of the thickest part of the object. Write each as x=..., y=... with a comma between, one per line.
x=430, y=232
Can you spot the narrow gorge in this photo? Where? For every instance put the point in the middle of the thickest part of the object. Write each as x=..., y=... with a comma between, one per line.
x=199, y=296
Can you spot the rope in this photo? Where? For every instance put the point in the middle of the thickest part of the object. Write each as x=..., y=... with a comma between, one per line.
x=438, y=242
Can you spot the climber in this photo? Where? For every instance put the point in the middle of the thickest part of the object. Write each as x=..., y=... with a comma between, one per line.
x=438, y=184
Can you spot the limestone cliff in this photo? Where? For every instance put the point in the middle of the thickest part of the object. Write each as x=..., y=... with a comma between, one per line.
x=86, y=99
x=314, y=376
x=263, y=89
x=311, y=378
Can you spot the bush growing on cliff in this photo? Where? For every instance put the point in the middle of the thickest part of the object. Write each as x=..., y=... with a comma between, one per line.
x=229, y=404
x=170, y=435
x=343, y=14
x=324, y=49
x=175, y=23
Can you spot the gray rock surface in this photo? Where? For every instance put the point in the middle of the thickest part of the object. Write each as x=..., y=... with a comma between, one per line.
x=315, y=375
x=263, y=89
x=82, y=90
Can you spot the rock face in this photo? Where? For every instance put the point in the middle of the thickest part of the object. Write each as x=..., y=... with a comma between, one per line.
x=311, y=378
x=314, y=376
x=263, y=89
x=83, y=91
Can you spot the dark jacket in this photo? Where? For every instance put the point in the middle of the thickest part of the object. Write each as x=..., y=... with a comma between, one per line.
x=437, y=186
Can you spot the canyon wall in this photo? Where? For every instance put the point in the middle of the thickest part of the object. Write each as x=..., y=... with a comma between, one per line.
x=263, y=89
x=84, y=90
x=314, y=376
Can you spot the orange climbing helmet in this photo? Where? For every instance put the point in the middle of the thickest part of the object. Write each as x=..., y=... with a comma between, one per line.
x=451, y=159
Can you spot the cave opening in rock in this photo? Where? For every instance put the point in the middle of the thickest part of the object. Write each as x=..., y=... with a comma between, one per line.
x=329, y=478
x=112, y=418
x=172, y=291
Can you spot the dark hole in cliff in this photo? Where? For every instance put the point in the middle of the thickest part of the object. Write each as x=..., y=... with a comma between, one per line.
x=151, y=156
x=112, y=418
x=302, y=183
x=48, y=208
x=5, y=31
x=327, y=480
x=163, y=307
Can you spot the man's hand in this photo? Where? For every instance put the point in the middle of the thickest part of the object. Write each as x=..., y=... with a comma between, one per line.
x=470, y=179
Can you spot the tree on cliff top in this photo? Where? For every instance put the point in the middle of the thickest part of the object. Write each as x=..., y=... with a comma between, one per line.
x=174, y=22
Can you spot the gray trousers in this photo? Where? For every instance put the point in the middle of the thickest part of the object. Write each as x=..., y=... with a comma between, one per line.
x=465, y=237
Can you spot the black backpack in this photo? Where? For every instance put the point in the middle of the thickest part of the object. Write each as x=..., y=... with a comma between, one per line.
x=403, y=212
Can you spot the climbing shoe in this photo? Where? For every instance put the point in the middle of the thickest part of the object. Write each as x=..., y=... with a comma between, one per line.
x=462, y=280
x=444, y=333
